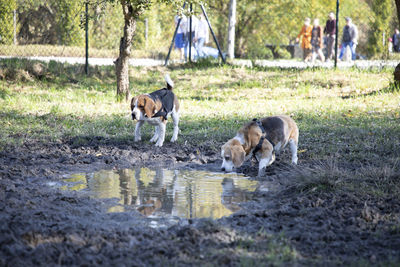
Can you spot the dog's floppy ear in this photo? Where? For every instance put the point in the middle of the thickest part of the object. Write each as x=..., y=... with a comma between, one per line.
x=149, y=107
x=238, y=155
x=133, y=102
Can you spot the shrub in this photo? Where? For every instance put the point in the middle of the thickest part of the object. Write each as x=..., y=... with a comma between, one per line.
x=6, y=21
x=282, y=53
x=260, y=52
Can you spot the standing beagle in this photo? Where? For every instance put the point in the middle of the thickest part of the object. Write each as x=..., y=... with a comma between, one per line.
x=260, y=138
x=154, y=108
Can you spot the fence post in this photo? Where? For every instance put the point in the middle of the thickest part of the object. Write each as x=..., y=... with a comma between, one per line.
x=86, y=39
x=15, y=26
x=190, y=33
x=146, y=30
x=383, y=41
x=337, y=31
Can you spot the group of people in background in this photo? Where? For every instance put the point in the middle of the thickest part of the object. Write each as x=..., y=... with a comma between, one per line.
x=199, y=33
x=313, y=40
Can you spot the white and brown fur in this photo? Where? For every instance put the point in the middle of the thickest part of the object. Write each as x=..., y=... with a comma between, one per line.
x=144, y=108
x=281, y=130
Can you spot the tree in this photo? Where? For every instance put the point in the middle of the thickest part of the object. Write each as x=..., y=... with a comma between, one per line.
x=398, y=11
x=380, y=27
x=6, y=20
x=55, y=22
x=231, y=29
x=132, y=10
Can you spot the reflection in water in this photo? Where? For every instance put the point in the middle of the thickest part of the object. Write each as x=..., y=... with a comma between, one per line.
x=161, y=193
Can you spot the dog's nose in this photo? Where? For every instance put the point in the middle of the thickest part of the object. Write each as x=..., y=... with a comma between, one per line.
x=223, y=169
x=133, y=116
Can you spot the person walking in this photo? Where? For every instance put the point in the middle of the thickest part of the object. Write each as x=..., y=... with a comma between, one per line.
x=317, y=41
x=349, y=39
x=187, y=34
x=202, y=36
x=390, y=45
x=396, y=40
x=179, y=38
x=305, y=33
x=330, y=33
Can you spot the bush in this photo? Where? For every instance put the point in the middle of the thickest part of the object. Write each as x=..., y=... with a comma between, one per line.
x=260, y=52
x=282, y=53
x=6, y=21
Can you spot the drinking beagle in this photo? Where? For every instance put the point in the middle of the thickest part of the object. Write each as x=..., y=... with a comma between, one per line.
x=261, y=139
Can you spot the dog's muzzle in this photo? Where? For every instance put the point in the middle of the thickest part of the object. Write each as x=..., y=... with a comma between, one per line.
x=133, y=116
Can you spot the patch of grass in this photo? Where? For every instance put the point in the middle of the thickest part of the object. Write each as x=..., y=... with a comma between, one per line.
x=321, y=177
x=378, y=180
x=263, y=250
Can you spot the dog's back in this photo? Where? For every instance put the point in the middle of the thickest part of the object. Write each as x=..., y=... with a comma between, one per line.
x=280, y=128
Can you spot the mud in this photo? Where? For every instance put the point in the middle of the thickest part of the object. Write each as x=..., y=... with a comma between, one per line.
x=41, y=225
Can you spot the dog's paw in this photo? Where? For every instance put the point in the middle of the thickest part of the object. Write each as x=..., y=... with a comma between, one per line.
x=261, y=172
x=159, y=144
x=173, y=140
x=154, y=139
x=138, y=139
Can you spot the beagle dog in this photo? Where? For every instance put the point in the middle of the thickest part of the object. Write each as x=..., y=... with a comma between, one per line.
x=154, y=108
x=261, y=139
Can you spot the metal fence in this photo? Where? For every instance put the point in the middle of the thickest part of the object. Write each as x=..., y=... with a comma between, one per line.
x=51, y=30
x=48, y=30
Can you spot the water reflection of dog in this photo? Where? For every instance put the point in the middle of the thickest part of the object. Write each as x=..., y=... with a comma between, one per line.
x=154, y=197
x=232, y=195
x=125, y=184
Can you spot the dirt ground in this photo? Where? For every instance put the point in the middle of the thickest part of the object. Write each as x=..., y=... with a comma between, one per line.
x=41, y=225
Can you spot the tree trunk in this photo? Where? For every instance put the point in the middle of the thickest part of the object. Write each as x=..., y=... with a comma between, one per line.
x=231, y=29
x=122, y=62
x=398, y=12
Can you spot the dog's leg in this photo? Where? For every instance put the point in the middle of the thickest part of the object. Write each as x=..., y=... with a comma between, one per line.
x=156, y=134
x=175, y=119
x=161, y=134
x=138, y=137
x=278, y=147
x=293, y=150
x=264, y=163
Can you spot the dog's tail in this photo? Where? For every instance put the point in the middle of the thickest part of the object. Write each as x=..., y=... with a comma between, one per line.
x=170, y=83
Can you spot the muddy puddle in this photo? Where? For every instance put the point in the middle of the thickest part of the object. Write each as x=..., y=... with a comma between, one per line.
x=163, y=193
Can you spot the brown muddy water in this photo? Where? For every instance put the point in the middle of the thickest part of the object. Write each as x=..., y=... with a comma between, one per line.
x=163, y=193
